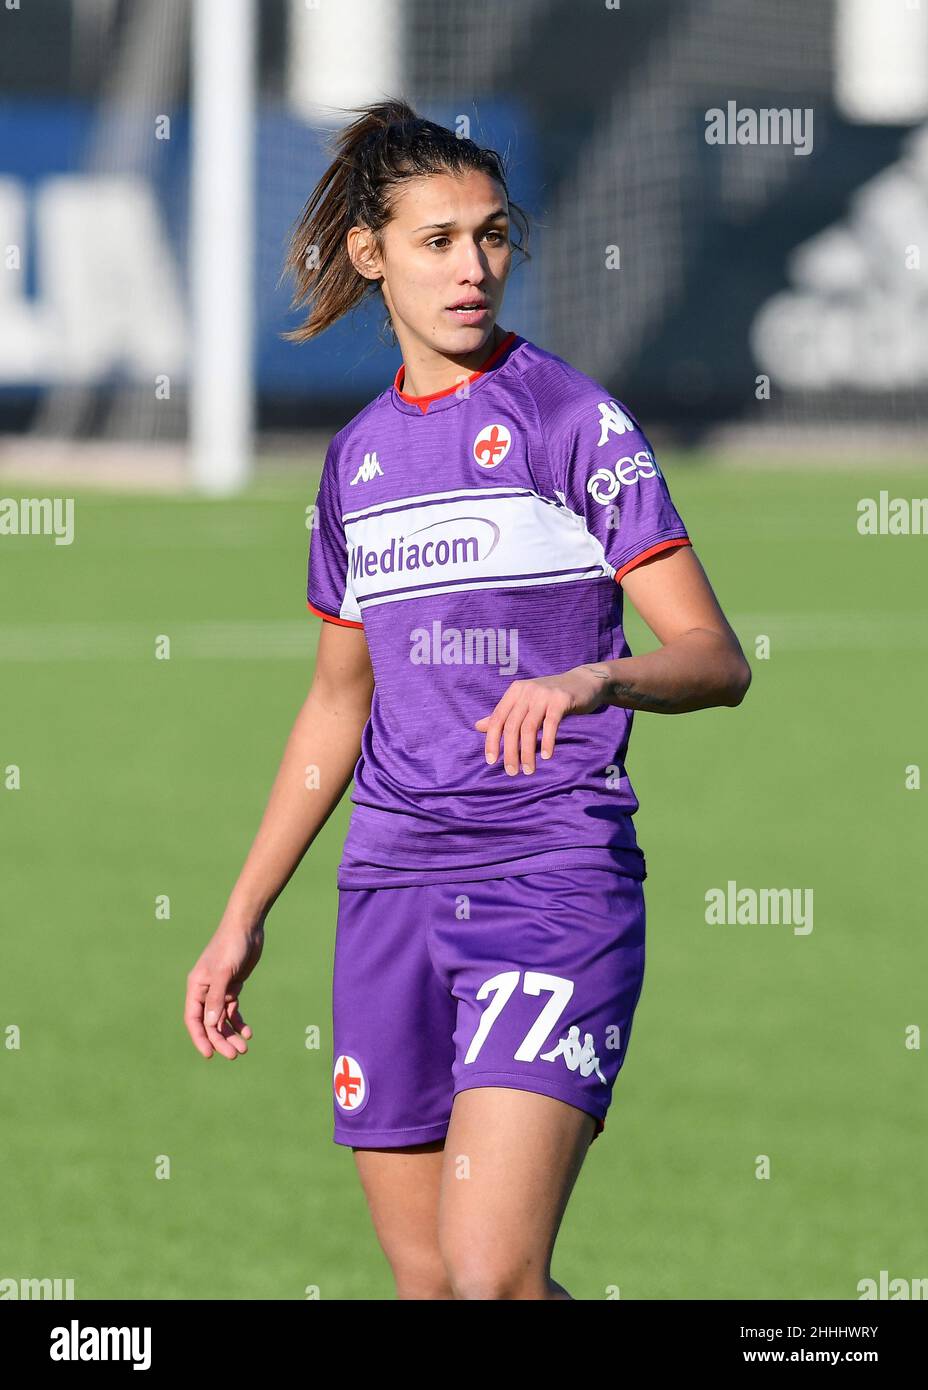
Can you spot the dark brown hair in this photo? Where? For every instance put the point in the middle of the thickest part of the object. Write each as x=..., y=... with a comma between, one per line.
x=388, y=144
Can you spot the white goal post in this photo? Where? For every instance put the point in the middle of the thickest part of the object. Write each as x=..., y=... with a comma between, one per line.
x=222, y=216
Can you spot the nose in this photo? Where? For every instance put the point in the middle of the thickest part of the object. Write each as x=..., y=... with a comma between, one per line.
x=472, y=266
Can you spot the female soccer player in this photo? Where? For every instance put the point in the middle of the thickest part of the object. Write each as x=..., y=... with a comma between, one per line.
x=478, y=523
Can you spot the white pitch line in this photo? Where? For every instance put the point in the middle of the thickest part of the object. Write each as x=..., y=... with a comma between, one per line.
x=257, y=640
x=286, y=639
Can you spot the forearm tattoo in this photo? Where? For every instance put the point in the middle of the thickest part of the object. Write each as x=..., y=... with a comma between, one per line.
x=621, y=689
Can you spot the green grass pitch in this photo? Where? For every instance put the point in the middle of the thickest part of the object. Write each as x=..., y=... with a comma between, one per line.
x=143, y=777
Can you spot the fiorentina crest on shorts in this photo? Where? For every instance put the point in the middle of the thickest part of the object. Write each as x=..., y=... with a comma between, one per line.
x=350, y=1082
x=492, y=445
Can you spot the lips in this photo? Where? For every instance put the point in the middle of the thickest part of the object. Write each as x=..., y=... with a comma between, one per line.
x=471, y=304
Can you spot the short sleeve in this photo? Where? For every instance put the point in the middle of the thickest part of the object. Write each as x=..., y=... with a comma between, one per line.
x=328, y=583
x=607, y=473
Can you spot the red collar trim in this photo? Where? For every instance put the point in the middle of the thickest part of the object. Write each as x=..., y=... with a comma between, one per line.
x=423, y=402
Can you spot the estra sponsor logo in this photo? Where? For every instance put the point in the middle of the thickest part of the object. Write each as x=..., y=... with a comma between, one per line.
x=606, y=483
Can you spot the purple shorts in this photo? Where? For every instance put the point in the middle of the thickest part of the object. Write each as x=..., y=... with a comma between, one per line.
x=529, y=982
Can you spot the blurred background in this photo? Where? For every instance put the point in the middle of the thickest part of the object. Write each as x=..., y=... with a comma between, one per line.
x=674, y=270
x=761, y=306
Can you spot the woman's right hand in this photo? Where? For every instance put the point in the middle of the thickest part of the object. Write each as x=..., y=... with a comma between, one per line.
x=211, y=1011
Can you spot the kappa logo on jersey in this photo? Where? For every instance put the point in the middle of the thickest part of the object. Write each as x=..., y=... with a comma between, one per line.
x=612, y=419
x=577, y=1055
x=350, y=1082
x=370, y=468
x=606, y=483
x=492, y=445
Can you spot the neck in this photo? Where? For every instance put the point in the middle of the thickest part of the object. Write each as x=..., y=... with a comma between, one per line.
x=427, y=371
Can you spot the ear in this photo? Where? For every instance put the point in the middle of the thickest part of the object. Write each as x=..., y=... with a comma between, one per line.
x=363, y=253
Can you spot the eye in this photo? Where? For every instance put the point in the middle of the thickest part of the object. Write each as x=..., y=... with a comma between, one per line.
x=499, y=239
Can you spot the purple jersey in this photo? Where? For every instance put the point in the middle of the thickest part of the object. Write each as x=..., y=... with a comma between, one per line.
x=479, y=536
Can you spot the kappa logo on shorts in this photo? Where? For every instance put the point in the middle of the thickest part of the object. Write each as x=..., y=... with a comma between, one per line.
x=575, y=1054
x=350, y=1081
x=492, y=445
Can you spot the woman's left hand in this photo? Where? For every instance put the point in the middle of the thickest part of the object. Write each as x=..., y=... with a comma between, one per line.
x=540, y=703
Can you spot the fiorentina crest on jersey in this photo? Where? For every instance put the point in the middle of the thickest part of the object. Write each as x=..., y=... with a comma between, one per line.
x=492, y=445
x=350, y=1081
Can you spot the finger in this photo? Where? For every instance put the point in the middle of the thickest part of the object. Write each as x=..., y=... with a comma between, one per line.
x=228, y=1032
x=214, y=1016
x=549, y=731
x=494, y=724
x=237, y=1021
x=233, y=1024
x=529, y=738
x=511, y=739
x=220, y=1036
x=193, y=1017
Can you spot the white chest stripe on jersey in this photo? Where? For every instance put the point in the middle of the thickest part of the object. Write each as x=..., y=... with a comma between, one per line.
x=464, y=539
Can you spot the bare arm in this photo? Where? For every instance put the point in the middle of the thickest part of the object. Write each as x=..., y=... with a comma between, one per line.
x=319, y=758
x=322, y=750
x=699, y=664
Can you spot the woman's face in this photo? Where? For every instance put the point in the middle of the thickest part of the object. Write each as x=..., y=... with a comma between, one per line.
x=446, y=244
